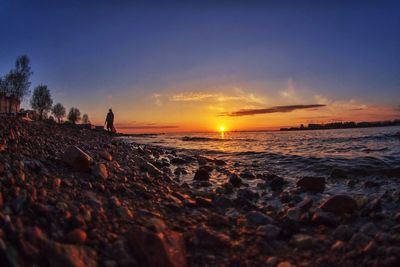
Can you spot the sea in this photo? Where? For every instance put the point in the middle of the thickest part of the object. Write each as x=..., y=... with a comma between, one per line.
x=357, y=152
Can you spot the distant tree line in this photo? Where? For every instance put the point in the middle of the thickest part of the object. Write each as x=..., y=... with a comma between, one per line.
x=343, y=125
x=16, y=86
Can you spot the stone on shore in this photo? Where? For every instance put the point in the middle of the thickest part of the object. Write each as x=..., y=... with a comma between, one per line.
x=104, y=154
x=62, y=255
x=76, y=236
x=235, y=180
x=157, y=248
x=202, y=175
x=101, y=171
x=312, y=184
x=269, y=231
x=77, y=159
x=258, y=218
x=339, y=205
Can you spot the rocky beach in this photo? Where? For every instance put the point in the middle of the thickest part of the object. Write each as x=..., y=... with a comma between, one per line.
x=71, y=196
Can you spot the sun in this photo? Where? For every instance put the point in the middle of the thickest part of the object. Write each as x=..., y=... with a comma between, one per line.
x=222, y=128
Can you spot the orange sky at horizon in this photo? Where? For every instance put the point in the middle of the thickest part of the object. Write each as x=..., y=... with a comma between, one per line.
x=208, y=110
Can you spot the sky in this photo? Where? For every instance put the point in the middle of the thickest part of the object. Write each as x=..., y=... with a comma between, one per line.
x=198, y=65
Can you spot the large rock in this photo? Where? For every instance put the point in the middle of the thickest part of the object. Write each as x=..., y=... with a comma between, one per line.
x=312, y=184
x=339, y=205
x=77, y=159
x=157, y=248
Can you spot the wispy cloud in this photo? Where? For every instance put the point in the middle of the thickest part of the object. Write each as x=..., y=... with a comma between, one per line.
x=191, y=96
x=283, y=109
x=157, y=99
x=237, y=95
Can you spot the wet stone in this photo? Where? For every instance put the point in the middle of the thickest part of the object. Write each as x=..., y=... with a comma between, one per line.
x=339, y=204
x=312, y=184
x=201, y=175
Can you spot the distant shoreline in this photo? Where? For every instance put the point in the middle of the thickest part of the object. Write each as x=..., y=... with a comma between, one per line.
x=344, y=125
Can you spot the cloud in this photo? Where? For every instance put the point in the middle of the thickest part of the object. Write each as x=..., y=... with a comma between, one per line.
x=157, y=99
x=248, y=112
x=238, y=95
x=191, y=96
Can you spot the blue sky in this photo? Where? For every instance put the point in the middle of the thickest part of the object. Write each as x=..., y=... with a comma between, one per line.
x=95, y=54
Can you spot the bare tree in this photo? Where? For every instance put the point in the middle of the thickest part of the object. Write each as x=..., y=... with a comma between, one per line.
x=85, y=119
x=74, y=115
x=41, y=99
x=58, y=111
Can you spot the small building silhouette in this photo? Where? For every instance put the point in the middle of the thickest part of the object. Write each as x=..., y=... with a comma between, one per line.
x=9, y=104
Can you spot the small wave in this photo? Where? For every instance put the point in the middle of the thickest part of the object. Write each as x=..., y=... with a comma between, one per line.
x=381, y=137
x=211, y=139
x=201, y=139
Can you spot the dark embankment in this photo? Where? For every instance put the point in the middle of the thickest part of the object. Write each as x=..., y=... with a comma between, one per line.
x=77, y=197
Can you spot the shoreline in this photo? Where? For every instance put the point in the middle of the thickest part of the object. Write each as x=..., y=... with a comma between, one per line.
x=126, y=207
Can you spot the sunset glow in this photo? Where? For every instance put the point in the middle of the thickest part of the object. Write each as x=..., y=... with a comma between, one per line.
x=190, y=73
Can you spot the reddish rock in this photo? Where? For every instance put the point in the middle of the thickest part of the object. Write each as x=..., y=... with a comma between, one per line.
x=57, y=182
x=76, y=236
x=312, y=184
x=339, y=205
x=77, y=159
x=62, y=255
x=101, y=170
x=207, y=238
x=105, y=155
x=157, y=249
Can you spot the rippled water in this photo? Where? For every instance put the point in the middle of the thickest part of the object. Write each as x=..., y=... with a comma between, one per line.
x=363, y=151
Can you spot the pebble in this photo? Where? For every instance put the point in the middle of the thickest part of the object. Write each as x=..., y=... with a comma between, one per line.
x=269, y=231
x=258, y=218
x=76, y=236
x=201, y=175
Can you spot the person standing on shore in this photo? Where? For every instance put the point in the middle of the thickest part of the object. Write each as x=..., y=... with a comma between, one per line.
x=110, y=121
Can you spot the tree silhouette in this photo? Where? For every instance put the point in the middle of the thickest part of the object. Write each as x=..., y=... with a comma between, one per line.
x=85, y=119
x=58, y=111
x=16, y=83
x=41, y=99
x=74, y=115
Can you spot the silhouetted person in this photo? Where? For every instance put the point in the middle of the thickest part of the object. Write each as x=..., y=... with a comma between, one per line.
x=110, y=121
